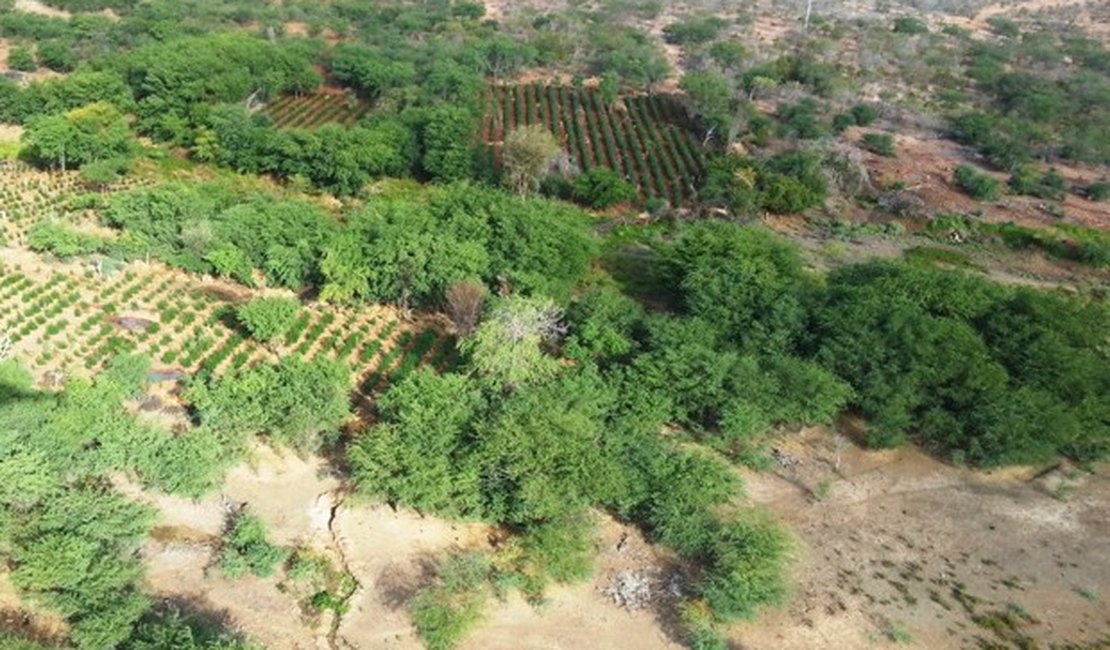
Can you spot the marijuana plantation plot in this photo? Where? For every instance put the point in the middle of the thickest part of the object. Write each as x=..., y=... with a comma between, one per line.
x=314, y=109
x=63, y=323
x=647, y=139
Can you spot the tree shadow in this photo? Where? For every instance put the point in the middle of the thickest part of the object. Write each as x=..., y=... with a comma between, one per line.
x=398, y=583
x=24, y=626
x=208, y=624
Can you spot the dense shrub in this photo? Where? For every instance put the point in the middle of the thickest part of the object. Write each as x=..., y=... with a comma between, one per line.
x=786, y=183
x=909, y=25
x=601, y=188
x=245, y=549
x=693, y=31
x=1027, y=179
x=878, y=143
x=977, y=184
x=268, y=318
x=950, y=377
x=292, y=402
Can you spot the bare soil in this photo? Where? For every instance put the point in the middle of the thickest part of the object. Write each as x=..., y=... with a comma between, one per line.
x=926, y=165
x=894, y=545
x=890, y=545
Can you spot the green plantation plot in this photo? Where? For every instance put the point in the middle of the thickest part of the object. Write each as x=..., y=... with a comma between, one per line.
x=647, y=139
x=308, y=111
x=70, y=322
x=29, y=196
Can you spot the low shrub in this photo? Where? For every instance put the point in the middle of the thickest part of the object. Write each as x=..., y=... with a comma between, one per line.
x=976, y=184
x=879, y=143
x=246, y=550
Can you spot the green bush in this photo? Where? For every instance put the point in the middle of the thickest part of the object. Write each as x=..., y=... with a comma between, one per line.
x=293, y=402
x=245, y=549
x=909, y=25
x=1028, y=180
x=865, y=114
x=977, y=184
x=879, y=143
x=21, y=58
x=601, y=188
x=693, y=31
x=1097, y=191
x=267, y=319
x=447, y=610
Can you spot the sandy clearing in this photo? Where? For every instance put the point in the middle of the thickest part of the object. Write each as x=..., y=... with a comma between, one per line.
x=36, y=7
x=898, y=534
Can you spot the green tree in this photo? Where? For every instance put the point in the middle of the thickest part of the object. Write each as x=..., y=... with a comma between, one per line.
x=602, y=188
x=246, y=549
x=418, y=455
x=268, y=318
x=21, y=58
x=528, y=155
x=509, y=346
x=448, y=152
x=90, y=133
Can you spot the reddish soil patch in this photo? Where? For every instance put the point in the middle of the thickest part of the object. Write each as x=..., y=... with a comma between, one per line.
x=926, y=165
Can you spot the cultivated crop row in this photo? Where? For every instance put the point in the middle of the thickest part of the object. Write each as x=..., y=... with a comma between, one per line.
x=647, y=139
x=72, y=323
x=308, y=111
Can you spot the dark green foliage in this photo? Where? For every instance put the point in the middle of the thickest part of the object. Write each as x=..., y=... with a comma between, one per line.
x=170, y=79
x=21, y=58
x=560, y=550
x=185, y=224
x=171, y=630
x=246, y=550
x=446, y=610
x=864, y=114
x=68, y=539
x=745, y=281
x=268, y=318
x=90, y=133
x=693, y=31
x=746, y=564
x=57, y=54
x=1027, y=179
x=1097, y=191
x=337, y=158
x=909, y=25
x=292, y=402
x=977, y=184
x=413, y=249
x=799, y=120
x=786, y=183
x=926, y=353
x=448, y=148
x=602, y=188
x=602, y=324
x=418, y=456
x=878, y=143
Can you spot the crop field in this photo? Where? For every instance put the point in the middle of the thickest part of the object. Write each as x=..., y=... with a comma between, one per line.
x=309, y=111
x=647, y=139
x=28, y=195
x=71, y=322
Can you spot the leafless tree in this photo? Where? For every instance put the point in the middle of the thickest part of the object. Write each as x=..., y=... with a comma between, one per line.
x=464, y=305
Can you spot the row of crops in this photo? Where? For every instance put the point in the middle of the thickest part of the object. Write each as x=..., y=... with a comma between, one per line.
x=647, y=139
x=308, y=111
x=28, y=195
x=69, y=323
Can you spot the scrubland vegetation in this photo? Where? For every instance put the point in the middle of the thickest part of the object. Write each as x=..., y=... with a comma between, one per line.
x=573, y=364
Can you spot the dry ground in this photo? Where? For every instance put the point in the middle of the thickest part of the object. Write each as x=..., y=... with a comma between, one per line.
x=890, y=545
